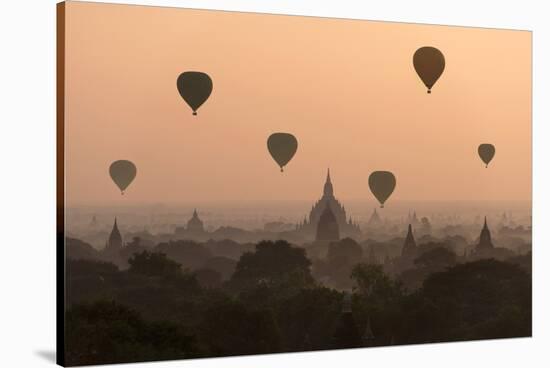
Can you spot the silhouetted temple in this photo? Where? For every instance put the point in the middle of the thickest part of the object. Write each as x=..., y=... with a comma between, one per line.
x=194, y=228
x=375, y=219
x=485, y=242
x=486, y=249
x=347, y=227
x=115, y=239
x=327, y=227
x=409, y=247
x=195, y=224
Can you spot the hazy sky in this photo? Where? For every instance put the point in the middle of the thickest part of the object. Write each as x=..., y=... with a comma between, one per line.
x=346, y=89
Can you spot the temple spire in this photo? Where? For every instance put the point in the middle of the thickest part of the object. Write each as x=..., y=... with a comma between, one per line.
x=115, y=239
x=409, y=248
x=328, y=190
x=485, y=241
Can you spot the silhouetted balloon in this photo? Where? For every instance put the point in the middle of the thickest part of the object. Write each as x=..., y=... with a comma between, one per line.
x=282, y=147
x=194, y=88
x=123, y=173
x=486, y=151
x=382, y=184
x=429, y=64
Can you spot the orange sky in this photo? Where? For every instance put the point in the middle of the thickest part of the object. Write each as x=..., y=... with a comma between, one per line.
x=346, y=89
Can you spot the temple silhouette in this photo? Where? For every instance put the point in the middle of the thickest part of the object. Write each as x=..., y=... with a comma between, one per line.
x=194, y=229
x=409, y=249
x=114, y=243
x=346, y=227
x=485, y=242
x=327, y=227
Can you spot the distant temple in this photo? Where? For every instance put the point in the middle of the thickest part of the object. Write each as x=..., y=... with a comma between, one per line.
x=346, y=227
x=486, y=249
x=115, y=239
x=327, y=227
x=409, y=247
x=195, y=224
x=375, y=219
x=194, y=228
x=485, y=242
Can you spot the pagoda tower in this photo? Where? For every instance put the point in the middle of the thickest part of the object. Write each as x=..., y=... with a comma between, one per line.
x=485, y=242
x=409, y=247
x=115, y=239
x=327, y=228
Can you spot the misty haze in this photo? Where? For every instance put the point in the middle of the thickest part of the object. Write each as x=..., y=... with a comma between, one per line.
x=249, y=184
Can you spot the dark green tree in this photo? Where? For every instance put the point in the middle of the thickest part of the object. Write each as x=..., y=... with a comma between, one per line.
x=229, y=327
x=273, y=264
x=106, y=332
x=153, y=264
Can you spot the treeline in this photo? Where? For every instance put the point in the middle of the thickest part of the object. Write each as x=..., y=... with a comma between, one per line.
x=272, y=302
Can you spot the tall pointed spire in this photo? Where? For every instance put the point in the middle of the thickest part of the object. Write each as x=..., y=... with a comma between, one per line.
x=409, y=247
x=115, y=239
x=328, y=190
x=195, y=224
x=485, y=237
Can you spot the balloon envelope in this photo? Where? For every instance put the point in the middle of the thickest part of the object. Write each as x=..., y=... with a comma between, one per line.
x=123, y=173
x=429, y=64
x=382, y=184
x=194, y=88
x=282, y=147
x=486, y=151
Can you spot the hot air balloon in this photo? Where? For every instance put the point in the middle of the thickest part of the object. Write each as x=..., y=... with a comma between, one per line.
x=486, y=151
x=194, y=88
x=123, y=173
x=429, y=64
x=382, y=184
x=282, y=147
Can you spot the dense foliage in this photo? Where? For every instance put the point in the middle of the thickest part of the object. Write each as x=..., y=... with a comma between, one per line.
x=269, y=300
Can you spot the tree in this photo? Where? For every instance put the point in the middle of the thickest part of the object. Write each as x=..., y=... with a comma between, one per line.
x=377, y=301
x=307, y=318
x=230, y=327
x=187, y=253
x=372, y=281
x=436, y=259
x=344, y=253
x=208, y=278
x=153, y=264
x=341, y=257
x=486, y=299
x=273, y=264
x=105, y=332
